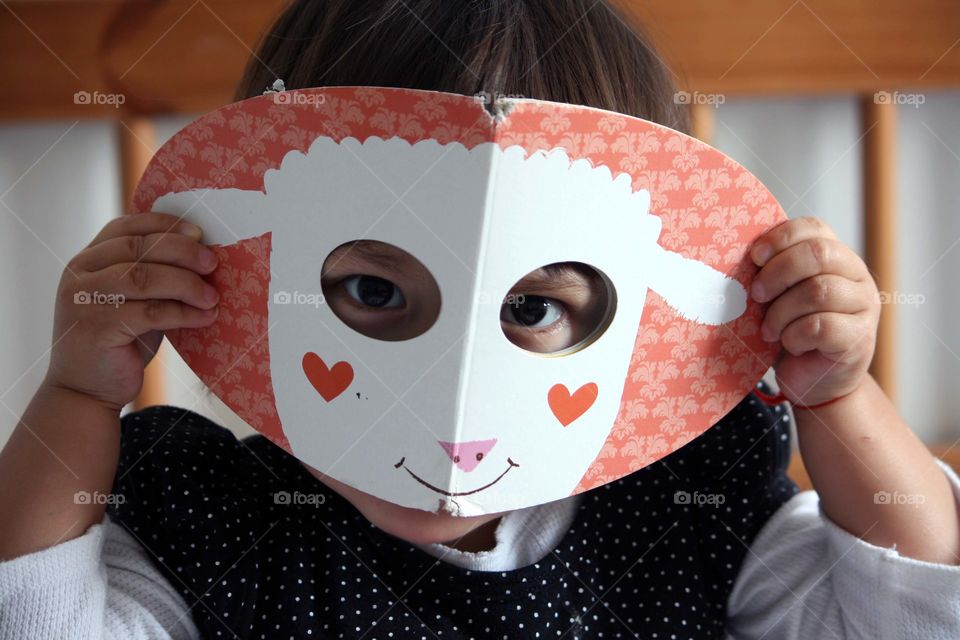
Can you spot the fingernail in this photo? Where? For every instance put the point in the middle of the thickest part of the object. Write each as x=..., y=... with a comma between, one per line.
x=189, y=229
x=211, y=294
x=761, y=253
x=759, y=294
x=212, y=311
x=208, y=259
x=767, y=333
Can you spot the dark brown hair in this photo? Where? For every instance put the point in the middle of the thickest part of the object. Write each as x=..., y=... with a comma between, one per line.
x=573, y=51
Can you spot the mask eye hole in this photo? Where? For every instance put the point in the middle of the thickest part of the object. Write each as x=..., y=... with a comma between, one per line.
x=558, y=309
x=379, y=290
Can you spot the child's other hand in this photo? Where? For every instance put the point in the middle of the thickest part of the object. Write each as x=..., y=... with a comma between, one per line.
x=824, y=309
x=140, y=276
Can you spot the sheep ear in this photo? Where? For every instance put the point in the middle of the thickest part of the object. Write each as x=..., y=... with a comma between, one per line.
x=225, y=215
x=695, y=290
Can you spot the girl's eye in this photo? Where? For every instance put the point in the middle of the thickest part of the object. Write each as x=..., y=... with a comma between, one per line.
x=372, y=291
x=535, y=312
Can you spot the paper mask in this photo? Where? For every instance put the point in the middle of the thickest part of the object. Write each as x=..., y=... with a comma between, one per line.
x=459, y=417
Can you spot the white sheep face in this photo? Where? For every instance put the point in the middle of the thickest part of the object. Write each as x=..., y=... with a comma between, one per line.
x=409, y=423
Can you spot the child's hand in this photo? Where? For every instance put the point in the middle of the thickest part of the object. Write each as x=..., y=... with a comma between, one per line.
x=139, y=276
x=824, y=309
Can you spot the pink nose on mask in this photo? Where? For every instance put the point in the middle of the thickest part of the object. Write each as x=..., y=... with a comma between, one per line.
x=467, y=455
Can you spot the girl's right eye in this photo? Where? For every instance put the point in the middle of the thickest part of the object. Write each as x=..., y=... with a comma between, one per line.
x=372, y=291
x=533, y=312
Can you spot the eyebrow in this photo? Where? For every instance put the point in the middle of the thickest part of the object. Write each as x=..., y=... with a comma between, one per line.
x=557, y=277
x=381, y=254
x=560, y=276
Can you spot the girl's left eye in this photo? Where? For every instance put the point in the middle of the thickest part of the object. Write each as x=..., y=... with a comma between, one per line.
x=372, y=291
x=534, y=312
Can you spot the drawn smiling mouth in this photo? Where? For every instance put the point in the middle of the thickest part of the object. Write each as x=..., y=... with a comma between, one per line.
x=510, y=465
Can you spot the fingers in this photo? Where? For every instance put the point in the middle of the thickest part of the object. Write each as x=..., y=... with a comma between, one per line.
x=141, y=224
x=807, y=258
x=827, y=332
x=146, y=280
x=150, y=255
x=788, y=233
x=149, y=268
x=823, y=306
x=140, y=316
x=174, y=249
x=829, y=292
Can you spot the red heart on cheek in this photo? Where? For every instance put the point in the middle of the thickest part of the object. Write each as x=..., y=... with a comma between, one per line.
x=568, y=408
x=331, y=382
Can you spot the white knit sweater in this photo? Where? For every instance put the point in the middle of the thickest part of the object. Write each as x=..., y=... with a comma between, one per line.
x=803, y=578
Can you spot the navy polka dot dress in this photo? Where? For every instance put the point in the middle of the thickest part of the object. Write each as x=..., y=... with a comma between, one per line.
x=640, y=560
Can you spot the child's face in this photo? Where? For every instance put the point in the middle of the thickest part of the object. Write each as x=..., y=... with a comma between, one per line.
x=385, y=293
x=412, y=525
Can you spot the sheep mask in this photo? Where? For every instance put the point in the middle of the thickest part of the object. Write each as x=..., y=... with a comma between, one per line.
x=459, y=418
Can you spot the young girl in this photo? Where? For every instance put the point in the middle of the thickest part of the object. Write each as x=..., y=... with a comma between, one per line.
x=196, y=544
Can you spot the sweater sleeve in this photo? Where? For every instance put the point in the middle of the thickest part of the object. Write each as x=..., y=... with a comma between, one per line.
x=806, y=577
x=98, y=585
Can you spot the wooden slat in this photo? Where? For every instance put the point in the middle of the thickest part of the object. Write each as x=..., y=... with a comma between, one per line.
x=154, y=391
x=182, y=56
x=703, y=119
x=137, y=140
x=176, y=56
x=805, y=46
x=798, y=472
x=137, y=143
x=879, y=122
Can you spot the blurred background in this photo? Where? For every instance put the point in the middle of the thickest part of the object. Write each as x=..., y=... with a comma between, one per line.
x=845, y=109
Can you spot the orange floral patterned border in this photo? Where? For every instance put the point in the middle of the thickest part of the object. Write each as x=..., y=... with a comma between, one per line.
x=683, y=376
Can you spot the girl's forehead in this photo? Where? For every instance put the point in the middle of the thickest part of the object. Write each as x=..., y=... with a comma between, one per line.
x=387, y=256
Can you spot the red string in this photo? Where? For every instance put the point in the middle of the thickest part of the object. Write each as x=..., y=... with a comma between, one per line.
x=772, y=401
